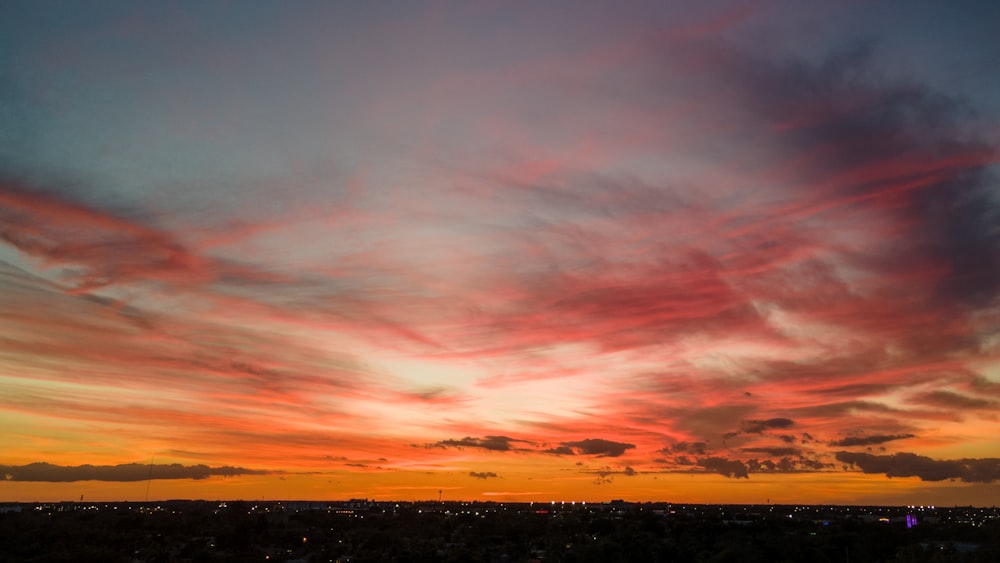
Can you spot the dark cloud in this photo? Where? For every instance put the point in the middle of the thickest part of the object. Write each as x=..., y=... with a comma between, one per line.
x=869, y=440
x=760, y=426
x=495, y=443
x=982, y=385
x=786, y=460
x=561, y=450
x=882, y=135
x=48, y=472
x=600, y=447
x=696, y=448
x=483, y=474
x=984, y=470
x=774, y=451
x=723, y=466
x=813, y=464
x=951, y=400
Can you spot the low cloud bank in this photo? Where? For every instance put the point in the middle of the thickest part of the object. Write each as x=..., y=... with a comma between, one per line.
x=984, y=470
x=47, y=472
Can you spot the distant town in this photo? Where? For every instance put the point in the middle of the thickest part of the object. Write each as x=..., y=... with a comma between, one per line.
x=362, y=530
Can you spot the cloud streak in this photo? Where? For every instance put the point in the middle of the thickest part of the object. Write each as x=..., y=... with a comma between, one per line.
x=126, y=472
x=493, y=443
x=869, y=440
x=599, y=447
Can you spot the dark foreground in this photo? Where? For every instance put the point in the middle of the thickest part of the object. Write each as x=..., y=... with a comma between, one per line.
x=366, y=531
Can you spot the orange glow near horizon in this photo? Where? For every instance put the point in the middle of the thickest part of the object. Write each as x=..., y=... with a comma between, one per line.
x=855, y=488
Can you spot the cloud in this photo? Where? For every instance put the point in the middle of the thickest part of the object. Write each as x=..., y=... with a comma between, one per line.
x=722, y=466
x=97, y=248
x=985, y=470
x=482, y=474
x=696, y=448
x=952, y=400
x=760, y=426
x=774, y=451
x=791, y=460
x=924, y=164
x=869, y=440
x=48, y=472
x=561, y=450
x=599, y=447
x=606, y=471
x=494, y=443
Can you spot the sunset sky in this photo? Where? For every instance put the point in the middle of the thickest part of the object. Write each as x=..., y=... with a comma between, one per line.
x=692, y=251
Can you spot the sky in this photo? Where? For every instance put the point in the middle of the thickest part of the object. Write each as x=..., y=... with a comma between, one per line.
x=714, y=251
